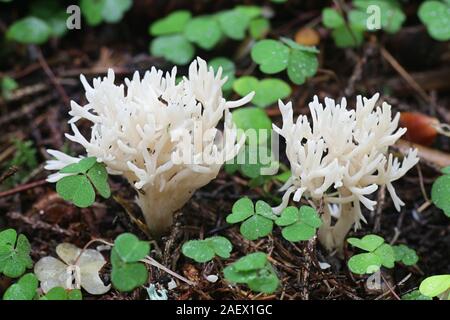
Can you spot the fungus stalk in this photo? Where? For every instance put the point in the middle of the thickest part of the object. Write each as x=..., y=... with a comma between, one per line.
x=160, y=135
x=340, y=159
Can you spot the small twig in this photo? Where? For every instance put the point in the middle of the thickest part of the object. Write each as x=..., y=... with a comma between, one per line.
x=87, y=246
x=422, y=186
x=11, y=171
x=390, y=288
x=404, y=74
x=149, y=260
x=424, y=206
x=52, y=77
x=22, y=188
x=26, y=109
x=380, y=204
x=37, y=223
x=395, y=286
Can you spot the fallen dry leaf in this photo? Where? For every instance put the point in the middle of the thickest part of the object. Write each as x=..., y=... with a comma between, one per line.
x=432, y=156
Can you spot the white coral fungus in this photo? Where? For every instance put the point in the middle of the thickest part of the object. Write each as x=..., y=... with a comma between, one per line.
x=342, y=158
x=159, y=134
x=79, y=269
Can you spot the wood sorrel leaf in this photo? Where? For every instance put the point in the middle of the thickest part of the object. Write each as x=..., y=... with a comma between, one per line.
x=364, y=263
x=198, y=250
x=252, y=261
x=99, y=177
x=256, y=227
x=77, y=189
x=369, y=242
x=127, y=276
x=14, y=253
x=173, y=23
x=271, y=55
x=130, y=249
x=203, y=31
x=288, y=216
x=298, y=231
x=242, y=209
x=174, y=48
x=24, y=289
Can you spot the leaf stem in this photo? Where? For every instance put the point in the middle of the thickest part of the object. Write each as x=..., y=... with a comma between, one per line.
x=149, y=260
x=87, y=246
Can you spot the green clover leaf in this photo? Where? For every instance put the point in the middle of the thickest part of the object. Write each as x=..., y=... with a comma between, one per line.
x=110, y=11
x=52, y=13
x=364, y=263
x=440, y=194
x=204, y=31
x=127, y=276
x=84, y=176
x=251, y=12
x=234, y=276
x=299, y=225
x=251, y=262
x=242, y=209
x=392, y=16
x=296, y=46
x=24, y=289
x=92, y=11
x=348, y=36
x=275, y=56
x=174, y=48
x=332, y=19
x=386, y=255
x=435, y=285
x=379, y=254
x=173, y=23
x=254, y=119
x=59, y=293
x=14, y=253
x=267, y=91
x=198, y=250
x=368, y=243
x=446, y=170
x=205, y=250
x=255, y=271
x=298, y=232
x=259, y=28
x=302, y=65
x=266, y=281
x=99, y=178
x=234, y=23
x=81, y=167
x=415, y=295
x=288, y=216
x=256, y=227
x=252, y=160
x=130, y=249
x=221, y=245
x=258, y=223
x=29, y=30
x=7, y=86
x=76, y=189
x=309, y=216
x=405, y=255
x=271, y=55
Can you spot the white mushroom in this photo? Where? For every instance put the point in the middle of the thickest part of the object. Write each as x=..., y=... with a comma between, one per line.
x=341, y=158
x=159, y=134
